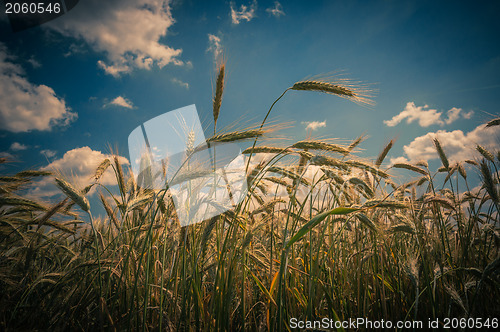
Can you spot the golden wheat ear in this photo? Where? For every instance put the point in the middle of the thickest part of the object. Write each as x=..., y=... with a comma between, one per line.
x=219, y=89
x=75, y=195
x=442, y=155
x=357, y=92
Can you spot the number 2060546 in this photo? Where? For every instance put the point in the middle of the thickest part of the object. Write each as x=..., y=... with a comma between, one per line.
x=471, y=323
x=32, y=7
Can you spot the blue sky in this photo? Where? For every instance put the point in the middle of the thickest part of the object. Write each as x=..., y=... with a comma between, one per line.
x=81, y=83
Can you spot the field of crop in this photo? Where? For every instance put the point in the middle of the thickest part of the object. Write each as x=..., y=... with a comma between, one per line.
x=321, y=233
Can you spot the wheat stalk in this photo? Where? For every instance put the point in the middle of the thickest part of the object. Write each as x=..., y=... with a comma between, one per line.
x=442, y=155
x=279, y=181
x=264, y=149
x=109, y=211
x=367, y=167
x=329, y=161
x=422, y=180
x=323, y=87
x=19, y=201
x=344, y=88
x=440, y=200
x=119, y=175
x=384, y=153
x=32, y=173
x=74, y=194
x=103, y=166
x=315, y=145
x=492, y=123
x=219, y=89
x=485, y=153
x=410, y=167
x=190, y=143
x=333, y=175
x=361, y=184
x=422, y=163
x=489, y=182
x=44, y=218
x=356, y=142
x=236, y=136
x=289, y=173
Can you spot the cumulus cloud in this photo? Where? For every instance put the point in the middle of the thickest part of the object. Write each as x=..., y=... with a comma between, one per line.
x=25, y=106
x=277, y=10
x=18, y=146
x=214, y=46
x=245, y=13
x=179, y=82
x=457, y=145
x=120, y=101
x=426, y=116
x=79, y=166
x=314, y=125
x=454, y=114
x=126, y=32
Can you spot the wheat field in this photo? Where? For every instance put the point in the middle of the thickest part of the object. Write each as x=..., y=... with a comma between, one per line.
x=320, y=233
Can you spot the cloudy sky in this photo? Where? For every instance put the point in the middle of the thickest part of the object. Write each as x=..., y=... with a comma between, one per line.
x=78, y=85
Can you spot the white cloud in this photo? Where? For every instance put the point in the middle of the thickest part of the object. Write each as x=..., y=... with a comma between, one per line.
x=457, y=145
x=33, y=62
x=277, y=10
x=120, y=101
x=25, y=106
x=426, y=116
x=314, y=125
x=245, y=13
x=78, y=166
x=181, y=83
x=454, y=114
x=398, y=160
x=127, y=32
x=114, y=70
x=48, y=153
x=214, y=46
x=18, y=146
x=75, y=49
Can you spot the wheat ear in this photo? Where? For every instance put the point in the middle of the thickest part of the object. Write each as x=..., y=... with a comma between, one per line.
x=219, y=89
